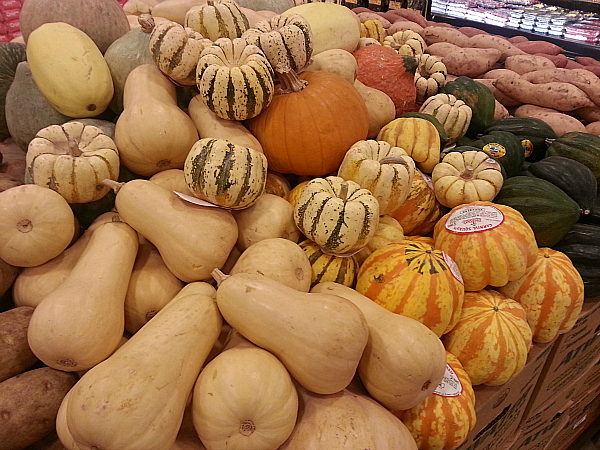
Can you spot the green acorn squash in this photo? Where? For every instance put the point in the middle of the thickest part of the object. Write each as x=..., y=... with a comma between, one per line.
x=582, y=147
x=574, y=178
x=536, y=131
x=582, y=245
x=11, y=54
x=505, y=148
x=549, y=211
x=479, y=97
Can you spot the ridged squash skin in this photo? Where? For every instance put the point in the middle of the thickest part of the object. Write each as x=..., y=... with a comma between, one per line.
x=328, y=267
x=551, y=291
x=403, y=361
x=59, y=334
x=443, y=420
x=318, y=337
x=491, y=339
x=499, y=251
x=69, y=70
x=142, y=389
x=415, y=280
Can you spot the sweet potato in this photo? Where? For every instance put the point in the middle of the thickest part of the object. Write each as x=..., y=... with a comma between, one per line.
x=559, y=60
x=471, y=31
x=594, y=68
x=364, y=16
x=593, y=128
x=497, y=42
x=589, y=114
x=413, y=15
x=586, y=60
x=433, y=35
x=495, y=73
x=360, y=9
x=583, y=79
x=533, y=47
x=574, y=65
x=500, y=96
x=470, y=62
x=15, y=354
x=561, y=123
x=517, y=39
x=560, y=96
x=500, y=112
x=402, y=25
x=527, y=63
x=30, y=402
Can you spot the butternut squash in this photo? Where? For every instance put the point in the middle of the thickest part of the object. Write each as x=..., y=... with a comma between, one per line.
x=244, y=398
x=318, y=337
x=152, y=132
x=33, y=284
x=404, y=361
x=172, y=180
x=142, y=389
x=63, y=337
x=192, y=240
x=209, y=125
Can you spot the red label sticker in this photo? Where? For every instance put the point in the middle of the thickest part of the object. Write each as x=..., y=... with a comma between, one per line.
x=450, y=386
x=453, y=267
x=473, y=219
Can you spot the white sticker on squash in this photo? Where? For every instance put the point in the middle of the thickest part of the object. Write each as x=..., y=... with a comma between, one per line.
x=454, y=270
x=474, y=218
x=196, y=200
x=450, y=386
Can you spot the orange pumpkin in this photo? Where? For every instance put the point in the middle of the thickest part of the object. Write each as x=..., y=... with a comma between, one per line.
x=415, y=280
x=491, y=339
x=313, y=119
x=421, y=210
x=551, y=291
x=492, y=244
x=443, y=420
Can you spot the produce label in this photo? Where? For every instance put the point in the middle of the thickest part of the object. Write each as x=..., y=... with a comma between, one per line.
x=453, y=267
x=494, y=149
x=474, y=218
x=450, y=386
x=527, y=147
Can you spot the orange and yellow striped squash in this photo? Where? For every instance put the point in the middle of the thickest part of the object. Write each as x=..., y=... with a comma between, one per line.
x=388, y=230
x=328, y=267
x=424, y=239
x=491, y=243
x=443, y=420
x=491, y=339
x=551, y=291
x=421, y=210
x=414, y=280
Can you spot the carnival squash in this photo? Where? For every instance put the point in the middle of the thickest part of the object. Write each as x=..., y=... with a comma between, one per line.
x=491, y=328
x=217, y=19
x=308, y=130
x=69, y=70
x=145, y=393
x=192, y=240
x=454, y=114
x=388, y=231
x=403, y=361
x=254, y=394
x=551, y=292
x=329, y=267
x=58, y=333
x=284, y=321
x=36, y=225
x=145, y=148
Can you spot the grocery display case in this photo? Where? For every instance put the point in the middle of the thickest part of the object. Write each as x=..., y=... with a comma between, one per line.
x=573, y=25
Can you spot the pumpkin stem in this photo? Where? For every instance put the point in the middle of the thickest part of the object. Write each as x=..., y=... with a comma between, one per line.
x=114, y=185
x=344, y=191
x=290, y=82
x=468, y=173
x=146, y=21
x=219, y=276
x=393, y=160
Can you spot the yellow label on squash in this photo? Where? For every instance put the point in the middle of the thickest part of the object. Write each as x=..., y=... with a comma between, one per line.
x=494, y=149
x=527, y=147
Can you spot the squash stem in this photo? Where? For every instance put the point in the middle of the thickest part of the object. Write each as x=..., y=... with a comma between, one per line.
x=114, y=185
x=468, y=173
x=219, y=276
x=146, y=21
x=393, y=160
x=343, y=191
x=290, y=82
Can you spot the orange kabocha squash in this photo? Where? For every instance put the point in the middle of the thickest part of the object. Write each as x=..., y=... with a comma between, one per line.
x=415, y=280
x=312, y=121
x=492, y=244
x=551, y=291
x=443, y=420
x=491, y=339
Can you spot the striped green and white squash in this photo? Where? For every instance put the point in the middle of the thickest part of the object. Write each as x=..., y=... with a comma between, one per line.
x=235, y=79
x=328, y=267
x=73, y=159
x=176, y=50
x=286, y=40
x=217, y=19
x=454, y=114
x=338, y=215
x=225, y=174
x=384, y=170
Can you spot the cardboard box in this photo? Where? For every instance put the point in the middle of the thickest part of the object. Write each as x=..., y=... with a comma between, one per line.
x=499, y=408
x=573, y=353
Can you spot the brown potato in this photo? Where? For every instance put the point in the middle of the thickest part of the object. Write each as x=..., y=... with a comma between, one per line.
x=561, y=123
x=500, y=97
x=470, y=62
x=527, y=63
x=588, y=115
x=533, y=47
x=433, y=35
x=497, y=42
x=583, y=79
x=29, y=403
x=15, y=355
